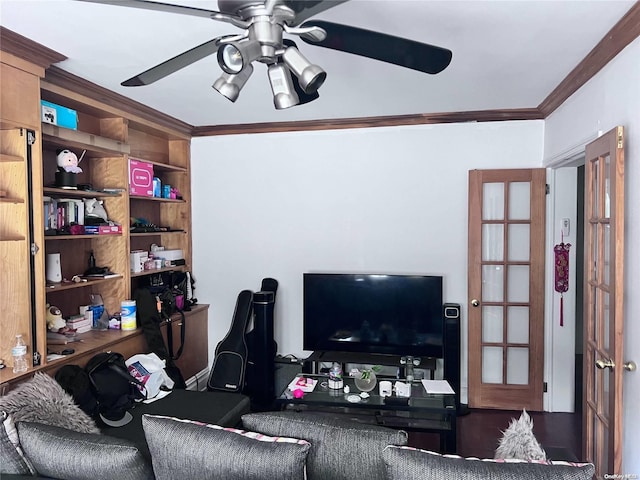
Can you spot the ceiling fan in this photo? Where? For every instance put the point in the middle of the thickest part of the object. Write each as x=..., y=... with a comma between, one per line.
x=294, y=80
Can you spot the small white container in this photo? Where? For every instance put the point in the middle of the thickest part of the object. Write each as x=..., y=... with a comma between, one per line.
x=128, y=315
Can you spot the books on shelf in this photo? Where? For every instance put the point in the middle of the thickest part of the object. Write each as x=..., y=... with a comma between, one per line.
x=95, y=276
x=62, y=212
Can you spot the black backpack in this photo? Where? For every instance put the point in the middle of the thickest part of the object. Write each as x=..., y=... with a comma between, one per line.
x=115, y=389
x=104, y=389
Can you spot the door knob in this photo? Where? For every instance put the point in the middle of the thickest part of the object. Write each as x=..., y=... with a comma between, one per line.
x=602, y=364
x=630, y=366
x=475, y=302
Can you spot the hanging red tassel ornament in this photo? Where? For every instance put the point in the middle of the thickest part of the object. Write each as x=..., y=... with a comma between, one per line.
x=562, y=273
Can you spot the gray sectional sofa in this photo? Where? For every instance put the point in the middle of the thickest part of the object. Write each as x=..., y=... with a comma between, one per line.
x=285, y=445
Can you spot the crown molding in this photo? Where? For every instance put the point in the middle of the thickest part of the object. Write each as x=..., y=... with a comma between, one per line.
x=625, y=31
x=25, y=48
x=621, y=34
x=370, y=122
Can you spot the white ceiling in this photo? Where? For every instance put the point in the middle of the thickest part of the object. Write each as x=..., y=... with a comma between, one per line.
x=506, y=54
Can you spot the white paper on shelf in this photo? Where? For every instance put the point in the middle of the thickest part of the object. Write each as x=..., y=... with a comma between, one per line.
x=307, y=386
x=437, y=386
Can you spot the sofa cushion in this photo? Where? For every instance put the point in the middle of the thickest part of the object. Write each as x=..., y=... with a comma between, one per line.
x=187, y=449
x=357, y=446
x=12, y=457
x=43, y=400
x=61, y=453
x=405, y=463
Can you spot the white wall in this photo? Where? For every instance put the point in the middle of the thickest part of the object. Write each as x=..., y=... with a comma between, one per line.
x=560, y=340
x=613, y=98
x=390, y=200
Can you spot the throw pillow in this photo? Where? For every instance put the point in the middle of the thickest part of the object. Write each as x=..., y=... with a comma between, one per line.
x=187, y=449
x=519, y=442
x=405, y=463
x=11, y=454
x=43, y=400
x=358, y=446
x=60, y=453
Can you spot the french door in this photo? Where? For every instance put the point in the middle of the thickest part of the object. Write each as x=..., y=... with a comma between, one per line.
x=506, y=288
x=603, y=303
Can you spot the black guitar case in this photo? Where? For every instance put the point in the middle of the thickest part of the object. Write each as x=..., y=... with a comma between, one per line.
x=229, y=365
x=259, y=384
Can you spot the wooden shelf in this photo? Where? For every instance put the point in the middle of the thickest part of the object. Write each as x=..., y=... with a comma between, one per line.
x=90, y=342
x=155, y=199
x=11, y=200
x=95, y=145
x=13, y=238
x=77, y=193
x=144, y=273
x=70, y=286
x=10, y=158
x=162, y=166
x=80, y=237
x=10, y=125
x=152, y=234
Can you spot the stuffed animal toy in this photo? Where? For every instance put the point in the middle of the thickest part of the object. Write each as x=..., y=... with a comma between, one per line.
x=55, y=322
x=68, y=161
x=94, y=210
x=54, y=318
x=519, y=442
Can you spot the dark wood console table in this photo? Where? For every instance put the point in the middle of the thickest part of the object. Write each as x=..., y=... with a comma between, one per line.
x=422, y=412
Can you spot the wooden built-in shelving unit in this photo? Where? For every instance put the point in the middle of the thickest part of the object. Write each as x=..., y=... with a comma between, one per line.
x=110, y=130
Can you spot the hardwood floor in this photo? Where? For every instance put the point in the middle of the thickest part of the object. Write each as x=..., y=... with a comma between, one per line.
x=478, y=433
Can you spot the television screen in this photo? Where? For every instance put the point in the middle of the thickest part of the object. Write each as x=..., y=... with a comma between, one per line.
x=385, y=314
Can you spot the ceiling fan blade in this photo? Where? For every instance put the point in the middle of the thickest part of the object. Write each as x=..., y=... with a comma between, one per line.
x=305, y=9
x=157, y=6
x=173, y=65
x=380, y=46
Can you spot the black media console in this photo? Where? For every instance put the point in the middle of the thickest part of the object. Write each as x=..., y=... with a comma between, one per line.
x=313, y=361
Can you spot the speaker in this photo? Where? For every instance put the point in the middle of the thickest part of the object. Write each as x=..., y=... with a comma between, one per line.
x=54, y=272
x=452, y=362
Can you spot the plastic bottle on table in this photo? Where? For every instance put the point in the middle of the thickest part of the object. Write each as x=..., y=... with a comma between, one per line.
x=19, y=353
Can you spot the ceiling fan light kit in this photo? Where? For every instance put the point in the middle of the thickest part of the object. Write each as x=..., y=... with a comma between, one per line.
x=294, y=79
x=311, y=77
x=229, y=85
x=284, y=94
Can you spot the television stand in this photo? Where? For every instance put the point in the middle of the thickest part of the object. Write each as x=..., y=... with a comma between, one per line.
x=313, y=361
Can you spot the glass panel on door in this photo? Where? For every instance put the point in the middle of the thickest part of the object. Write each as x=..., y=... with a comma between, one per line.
x=595, y=211
x=518, y=324
x=518, y=284
x=607, y=187
x=492, y=242
x=518, y=250
x=491, y=364
x=493, y=201
x=492, y=283
x=607, y=260
x=519, y=201
x=517, y=366
x=492, y=324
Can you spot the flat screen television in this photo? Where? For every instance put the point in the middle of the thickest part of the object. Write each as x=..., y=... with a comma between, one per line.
x=366, y=313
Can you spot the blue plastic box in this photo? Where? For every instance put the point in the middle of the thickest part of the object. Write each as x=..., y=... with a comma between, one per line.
x=58, y=115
